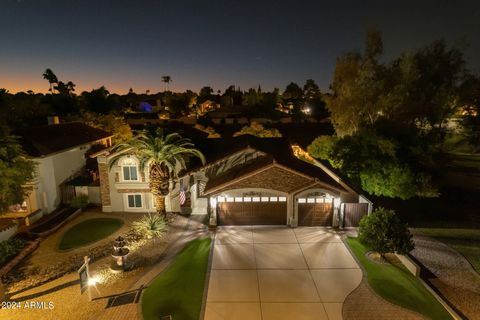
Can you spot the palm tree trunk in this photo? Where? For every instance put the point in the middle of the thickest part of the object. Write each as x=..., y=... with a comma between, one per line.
x=159, y=186
x=160, y=205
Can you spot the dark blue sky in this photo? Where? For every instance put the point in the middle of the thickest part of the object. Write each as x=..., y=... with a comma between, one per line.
x=127, y=43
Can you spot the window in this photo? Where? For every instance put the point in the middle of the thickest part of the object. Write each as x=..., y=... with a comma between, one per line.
x=130, y=173
x=247, y=199
x=255, y=199
x=273, y=199
x=282, y=199
x=310, y=200
x=221, y=199
x=229, y=199
x=134, y=200
x=302, y=200
x=264, y=199
x=238, y=199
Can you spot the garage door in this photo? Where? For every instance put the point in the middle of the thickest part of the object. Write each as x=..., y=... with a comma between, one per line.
x=270, y=211
x=353, y=212
x=314, y=214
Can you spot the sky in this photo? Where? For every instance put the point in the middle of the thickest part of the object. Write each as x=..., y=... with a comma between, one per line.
x=126, y=44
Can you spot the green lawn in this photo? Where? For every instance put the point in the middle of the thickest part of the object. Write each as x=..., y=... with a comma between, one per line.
x=395, y=283
x=89, y=231
x=178, y=291
x=465, y=241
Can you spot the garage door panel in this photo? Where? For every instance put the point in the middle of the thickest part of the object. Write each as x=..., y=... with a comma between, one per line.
x=315, y=214
x=251, y=213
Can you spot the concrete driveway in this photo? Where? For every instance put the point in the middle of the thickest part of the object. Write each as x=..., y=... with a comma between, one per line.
x=276, y=273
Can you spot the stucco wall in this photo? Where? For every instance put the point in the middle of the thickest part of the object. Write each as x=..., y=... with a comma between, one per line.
x=53, y=170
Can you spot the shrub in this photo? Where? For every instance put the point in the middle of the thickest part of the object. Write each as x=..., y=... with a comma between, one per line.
x=79, y=202
x=10, y=248
x=383, y=232
x=151, y=225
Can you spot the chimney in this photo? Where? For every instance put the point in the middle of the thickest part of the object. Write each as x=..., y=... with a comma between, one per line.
x=53, y=120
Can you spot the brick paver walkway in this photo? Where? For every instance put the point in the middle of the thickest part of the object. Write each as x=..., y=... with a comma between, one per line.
x=363, y=304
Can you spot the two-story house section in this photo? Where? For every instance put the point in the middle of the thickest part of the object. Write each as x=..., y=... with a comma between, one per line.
x=245, y=181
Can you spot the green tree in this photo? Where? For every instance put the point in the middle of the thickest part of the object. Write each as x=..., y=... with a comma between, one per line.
x=111, y=123
x=376, y=163
x=258, y=130
x=16, y=171
x=165, y=156
x=357, y=89
x=384, y=232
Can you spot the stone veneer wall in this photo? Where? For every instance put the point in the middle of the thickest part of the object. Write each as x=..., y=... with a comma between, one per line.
x=104, y=184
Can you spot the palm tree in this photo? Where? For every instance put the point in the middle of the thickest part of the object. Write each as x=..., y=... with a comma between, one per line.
x=51, y=78
x=165, y=156
x=167, y=80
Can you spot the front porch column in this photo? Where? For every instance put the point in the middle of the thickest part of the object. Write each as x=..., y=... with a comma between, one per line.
x=292, y=216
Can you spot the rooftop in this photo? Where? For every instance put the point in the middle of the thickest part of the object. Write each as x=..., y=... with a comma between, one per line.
x=45, y=140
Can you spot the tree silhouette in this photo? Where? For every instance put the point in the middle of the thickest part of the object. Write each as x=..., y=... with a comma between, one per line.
x=51, y=78
x=167, y=80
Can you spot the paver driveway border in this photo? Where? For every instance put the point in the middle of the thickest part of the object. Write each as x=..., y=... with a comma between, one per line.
x=251, y=277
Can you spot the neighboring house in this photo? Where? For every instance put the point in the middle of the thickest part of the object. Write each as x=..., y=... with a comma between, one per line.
x=59, y=153
x=246, y=180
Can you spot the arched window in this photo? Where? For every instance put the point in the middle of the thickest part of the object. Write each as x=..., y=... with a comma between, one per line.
x=129, y=167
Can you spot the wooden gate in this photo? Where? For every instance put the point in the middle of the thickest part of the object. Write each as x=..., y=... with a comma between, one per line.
x=67, y=192
x=353, y=213
x=315, y=214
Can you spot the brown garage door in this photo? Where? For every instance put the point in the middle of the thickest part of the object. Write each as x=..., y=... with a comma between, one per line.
x=251, y=213
x=353, y=212
x=315, y=214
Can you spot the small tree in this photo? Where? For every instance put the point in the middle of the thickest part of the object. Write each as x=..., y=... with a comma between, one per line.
x=150, y=226
x=383, y=232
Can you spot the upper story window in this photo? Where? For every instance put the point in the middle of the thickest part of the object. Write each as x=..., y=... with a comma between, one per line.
x=130, y=173
x=129, y=169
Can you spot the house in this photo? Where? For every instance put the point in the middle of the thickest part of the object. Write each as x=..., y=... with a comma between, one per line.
x=59, y=153
x=246, y=180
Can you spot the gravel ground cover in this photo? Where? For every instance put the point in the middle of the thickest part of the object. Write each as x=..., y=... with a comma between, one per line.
x=61, y=296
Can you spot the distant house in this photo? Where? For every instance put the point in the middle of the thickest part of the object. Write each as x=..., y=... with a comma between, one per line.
x=207, y=106
x=59, y=153
x=228, y=115
x=245, y=181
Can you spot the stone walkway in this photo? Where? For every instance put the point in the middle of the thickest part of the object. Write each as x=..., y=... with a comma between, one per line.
x=453, y=274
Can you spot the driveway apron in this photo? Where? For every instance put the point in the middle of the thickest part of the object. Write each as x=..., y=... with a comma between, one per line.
x=276, y=273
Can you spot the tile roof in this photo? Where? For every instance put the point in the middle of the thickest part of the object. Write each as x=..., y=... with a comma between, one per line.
x=44, y=140
x=278, y=150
